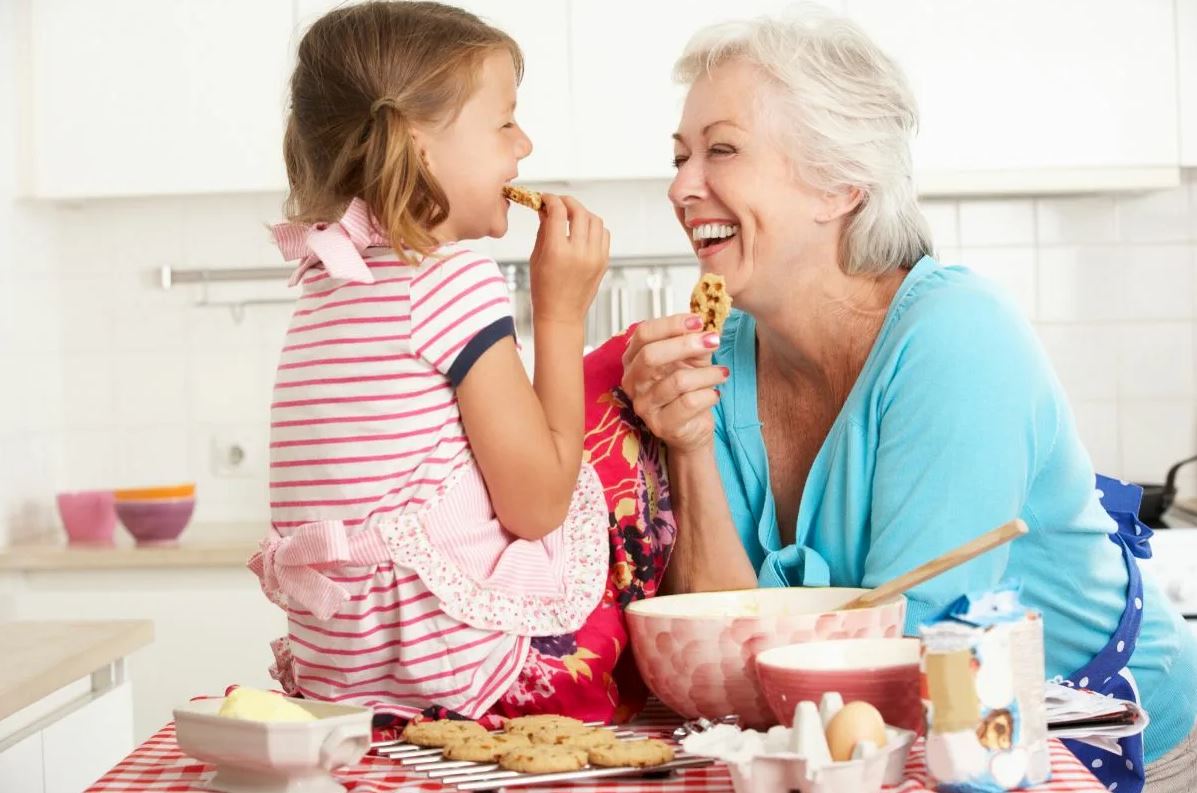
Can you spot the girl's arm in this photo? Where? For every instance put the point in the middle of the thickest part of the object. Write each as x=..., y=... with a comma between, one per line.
x=527, y=437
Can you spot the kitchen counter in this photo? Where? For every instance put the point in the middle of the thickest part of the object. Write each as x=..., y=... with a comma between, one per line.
x=63, y=557
x=38, y=658
x=66, y=704
x=202, y=545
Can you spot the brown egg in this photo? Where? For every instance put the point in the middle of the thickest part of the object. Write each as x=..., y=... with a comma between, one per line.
x=856, y=722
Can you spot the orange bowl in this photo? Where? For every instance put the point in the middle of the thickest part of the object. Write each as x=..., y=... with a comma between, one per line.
x=156, y=493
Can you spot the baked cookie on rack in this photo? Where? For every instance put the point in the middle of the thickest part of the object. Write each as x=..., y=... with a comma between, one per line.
x=441, y=732
x=544, y=759
x=637, y=754
x=485, y=748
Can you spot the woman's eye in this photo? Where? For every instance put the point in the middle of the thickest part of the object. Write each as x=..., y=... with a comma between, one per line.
x=720, y=150
x=679, y=160
x=509, y=125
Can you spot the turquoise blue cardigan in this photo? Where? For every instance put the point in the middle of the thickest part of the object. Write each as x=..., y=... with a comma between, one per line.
x=956, y=424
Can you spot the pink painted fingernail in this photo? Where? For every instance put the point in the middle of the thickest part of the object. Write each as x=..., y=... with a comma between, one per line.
x=711, y=340
x=693, y=323
x=726, y=372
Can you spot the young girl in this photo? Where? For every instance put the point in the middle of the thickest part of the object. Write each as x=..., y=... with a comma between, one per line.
x=431, y=514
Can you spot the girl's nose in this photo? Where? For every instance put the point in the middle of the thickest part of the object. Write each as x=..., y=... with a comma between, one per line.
x=523, y=146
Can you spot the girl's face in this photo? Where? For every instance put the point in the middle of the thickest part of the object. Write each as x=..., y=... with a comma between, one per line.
x=749, y=217
x=477, y=153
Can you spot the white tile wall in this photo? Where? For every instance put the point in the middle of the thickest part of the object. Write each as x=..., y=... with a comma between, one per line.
x=109, y=381
x=120, y=383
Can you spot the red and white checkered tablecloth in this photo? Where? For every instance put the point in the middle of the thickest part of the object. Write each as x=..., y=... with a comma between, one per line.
x=158, y=765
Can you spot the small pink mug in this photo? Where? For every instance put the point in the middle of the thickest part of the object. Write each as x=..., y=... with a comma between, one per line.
x=88, y=515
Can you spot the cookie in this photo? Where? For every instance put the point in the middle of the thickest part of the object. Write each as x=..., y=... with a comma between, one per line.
x=486, y=748
x=543, y=759
x=711, y=301
x=523, y=196
x=586, y=738
x=527, y=724
x=441, y=732
x=636, y=754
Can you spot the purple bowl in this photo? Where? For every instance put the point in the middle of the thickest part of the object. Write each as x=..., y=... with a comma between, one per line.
x=157, y=522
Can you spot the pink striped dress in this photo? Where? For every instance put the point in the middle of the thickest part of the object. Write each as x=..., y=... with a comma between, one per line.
x=402, y=589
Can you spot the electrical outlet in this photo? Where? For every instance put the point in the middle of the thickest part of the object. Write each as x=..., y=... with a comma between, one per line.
x=231, y=456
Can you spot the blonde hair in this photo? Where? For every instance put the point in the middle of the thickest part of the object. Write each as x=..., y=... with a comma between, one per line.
x=365, y=75
x=847, y=117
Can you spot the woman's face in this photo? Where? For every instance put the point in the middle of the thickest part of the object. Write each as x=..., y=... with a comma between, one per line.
x=736, y=194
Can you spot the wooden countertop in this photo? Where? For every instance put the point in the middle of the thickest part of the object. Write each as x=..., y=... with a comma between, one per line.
x=50, y=557
x=38, y=658
x=212, y=545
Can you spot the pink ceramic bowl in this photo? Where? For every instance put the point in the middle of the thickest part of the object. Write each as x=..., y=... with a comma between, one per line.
x=697, y=652
x=87, y=516
x=882, y=672
x=158, y=522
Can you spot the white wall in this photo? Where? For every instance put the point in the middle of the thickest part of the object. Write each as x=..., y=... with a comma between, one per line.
x=107, y=381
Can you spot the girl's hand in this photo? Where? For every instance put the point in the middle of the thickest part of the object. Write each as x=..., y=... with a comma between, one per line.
x=568, y=260
x=667, y=373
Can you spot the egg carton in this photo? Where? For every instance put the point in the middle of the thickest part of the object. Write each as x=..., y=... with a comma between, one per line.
x=466, y=775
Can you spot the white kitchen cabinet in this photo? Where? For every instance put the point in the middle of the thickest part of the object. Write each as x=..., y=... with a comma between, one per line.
x=625, y=103
x=81, y=747
x=141, y=97
x=1186, y=56
x=21, y=766
x=1010, y=87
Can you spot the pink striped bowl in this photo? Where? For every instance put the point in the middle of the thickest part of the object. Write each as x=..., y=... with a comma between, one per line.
x=882, y=672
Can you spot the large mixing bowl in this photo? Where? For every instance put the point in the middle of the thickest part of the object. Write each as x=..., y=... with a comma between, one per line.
x=697, y=652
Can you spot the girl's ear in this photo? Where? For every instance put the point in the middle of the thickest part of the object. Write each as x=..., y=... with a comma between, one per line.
x=420, y=142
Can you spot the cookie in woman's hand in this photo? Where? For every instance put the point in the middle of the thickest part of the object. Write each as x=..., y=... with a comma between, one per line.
x=711, y=301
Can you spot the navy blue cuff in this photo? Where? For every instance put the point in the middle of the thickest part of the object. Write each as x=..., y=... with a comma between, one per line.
x=482, y=341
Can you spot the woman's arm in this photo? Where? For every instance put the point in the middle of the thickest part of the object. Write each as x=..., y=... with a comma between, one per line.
x=707, y=554
x=670, y=379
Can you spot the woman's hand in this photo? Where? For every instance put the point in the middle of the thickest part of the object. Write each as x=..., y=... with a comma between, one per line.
x=568, y=260
x=667, y=373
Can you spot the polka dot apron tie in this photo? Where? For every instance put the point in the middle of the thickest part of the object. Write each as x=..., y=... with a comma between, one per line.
x=1107, y=673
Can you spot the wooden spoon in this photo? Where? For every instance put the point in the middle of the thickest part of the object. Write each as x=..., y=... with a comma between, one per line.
x=957, y=556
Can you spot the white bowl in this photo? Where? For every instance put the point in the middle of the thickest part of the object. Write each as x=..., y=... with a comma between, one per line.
x=274, y=757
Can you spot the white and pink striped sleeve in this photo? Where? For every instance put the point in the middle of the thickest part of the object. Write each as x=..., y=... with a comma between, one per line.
x=459, y=309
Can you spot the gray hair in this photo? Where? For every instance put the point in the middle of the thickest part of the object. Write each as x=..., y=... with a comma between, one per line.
x=847, y=116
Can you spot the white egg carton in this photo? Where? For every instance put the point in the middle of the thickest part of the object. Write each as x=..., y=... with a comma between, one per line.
x=767, y=773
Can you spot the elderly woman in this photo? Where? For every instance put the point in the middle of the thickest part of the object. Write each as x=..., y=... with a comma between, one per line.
x=867, y=408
